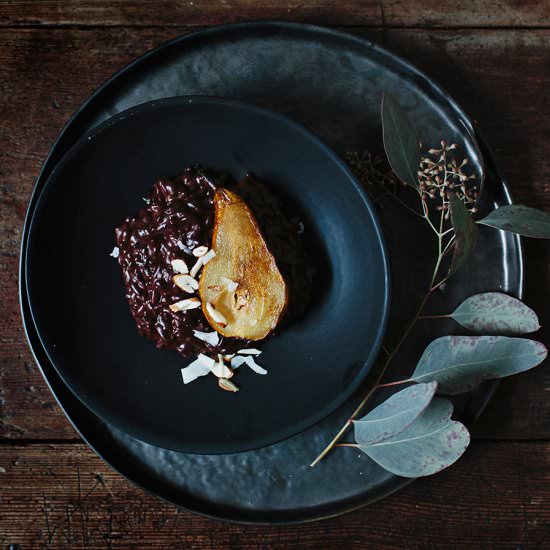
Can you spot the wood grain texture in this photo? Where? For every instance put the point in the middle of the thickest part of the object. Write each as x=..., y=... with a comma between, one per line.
x=499, y=76
x=53, y=54
x=392, y=13
x=63, y=496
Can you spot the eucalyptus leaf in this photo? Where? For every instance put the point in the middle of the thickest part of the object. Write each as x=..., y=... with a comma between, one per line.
x=430, y=444
x=496, y=312
x=394, y=415
x=519, y=219
x=465, y=233
x=401, y=142
x=459, y=363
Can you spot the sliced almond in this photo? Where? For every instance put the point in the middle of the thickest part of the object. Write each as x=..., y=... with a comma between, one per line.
x=115, y=253
x=179, y=266
x=227, y=385
x=205, y=360
x=220, y=370
x=208, y=256
x=200, y=251
x=239, y=360
x=216, y=315
x=181, y=246
x=183, y=305
x=185, y=282
x=194, y=370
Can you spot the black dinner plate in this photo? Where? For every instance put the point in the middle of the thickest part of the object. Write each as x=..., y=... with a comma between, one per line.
x=330, y=81
x=82, y=317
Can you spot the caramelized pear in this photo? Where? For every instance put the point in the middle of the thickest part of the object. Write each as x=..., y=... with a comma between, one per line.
x=242, y=291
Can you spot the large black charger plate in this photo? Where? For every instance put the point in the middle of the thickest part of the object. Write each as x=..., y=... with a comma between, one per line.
x=331, y=82
x=314, y=364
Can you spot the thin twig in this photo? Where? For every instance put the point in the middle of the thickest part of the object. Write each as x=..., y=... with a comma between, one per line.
x=397, y=383
x=434, y=317
x=359, y=408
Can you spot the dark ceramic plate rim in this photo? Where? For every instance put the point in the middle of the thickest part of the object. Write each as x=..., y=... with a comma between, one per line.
x=94, y=439
x=95, y=436
x=91, y=399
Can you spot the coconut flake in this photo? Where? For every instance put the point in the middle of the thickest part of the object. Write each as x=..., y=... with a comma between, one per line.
x=200, y=251
x=115, y=253
x=179, y=266
x=194, y=370
x=237, y=361
x=212, y=338
x=250, y=351
x=206, y=361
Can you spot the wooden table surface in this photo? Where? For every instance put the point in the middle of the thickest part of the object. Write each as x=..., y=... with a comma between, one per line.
x=494, y=57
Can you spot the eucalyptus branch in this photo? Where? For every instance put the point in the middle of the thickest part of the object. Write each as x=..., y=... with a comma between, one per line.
x=437, y=177
x=450, y=364
x=347, y=424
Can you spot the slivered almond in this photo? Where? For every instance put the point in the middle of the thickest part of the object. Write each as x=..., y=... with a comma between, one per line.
x=231, y=285
x=200, y=251
x=227, y=385
x=196, y=267
x=216, y=315
x=208, y=256
x=183, y=305
x=179, y=266
x=186, y=283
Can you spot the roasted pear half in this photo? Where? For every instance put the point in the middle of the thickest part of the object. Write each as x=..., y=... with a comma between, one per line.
x=242, y=291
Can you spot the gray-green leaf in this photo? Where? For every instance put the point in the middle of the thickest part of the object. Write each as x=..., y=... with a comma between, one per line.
x=523, y=220
x=394, y=415
x=430, y=444
x=401, y=142
x=459, y=363
x=465, y=233
x=496, y=312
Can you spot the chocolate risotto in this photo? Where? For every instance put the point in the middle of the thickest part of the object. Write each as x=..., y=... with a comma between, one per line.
x=178, y=217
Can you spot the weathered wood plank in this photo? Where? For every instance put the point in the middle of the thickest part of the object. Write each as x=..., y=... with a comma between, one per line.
x=499, y=76
x=65, y=496
x=423, y=13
